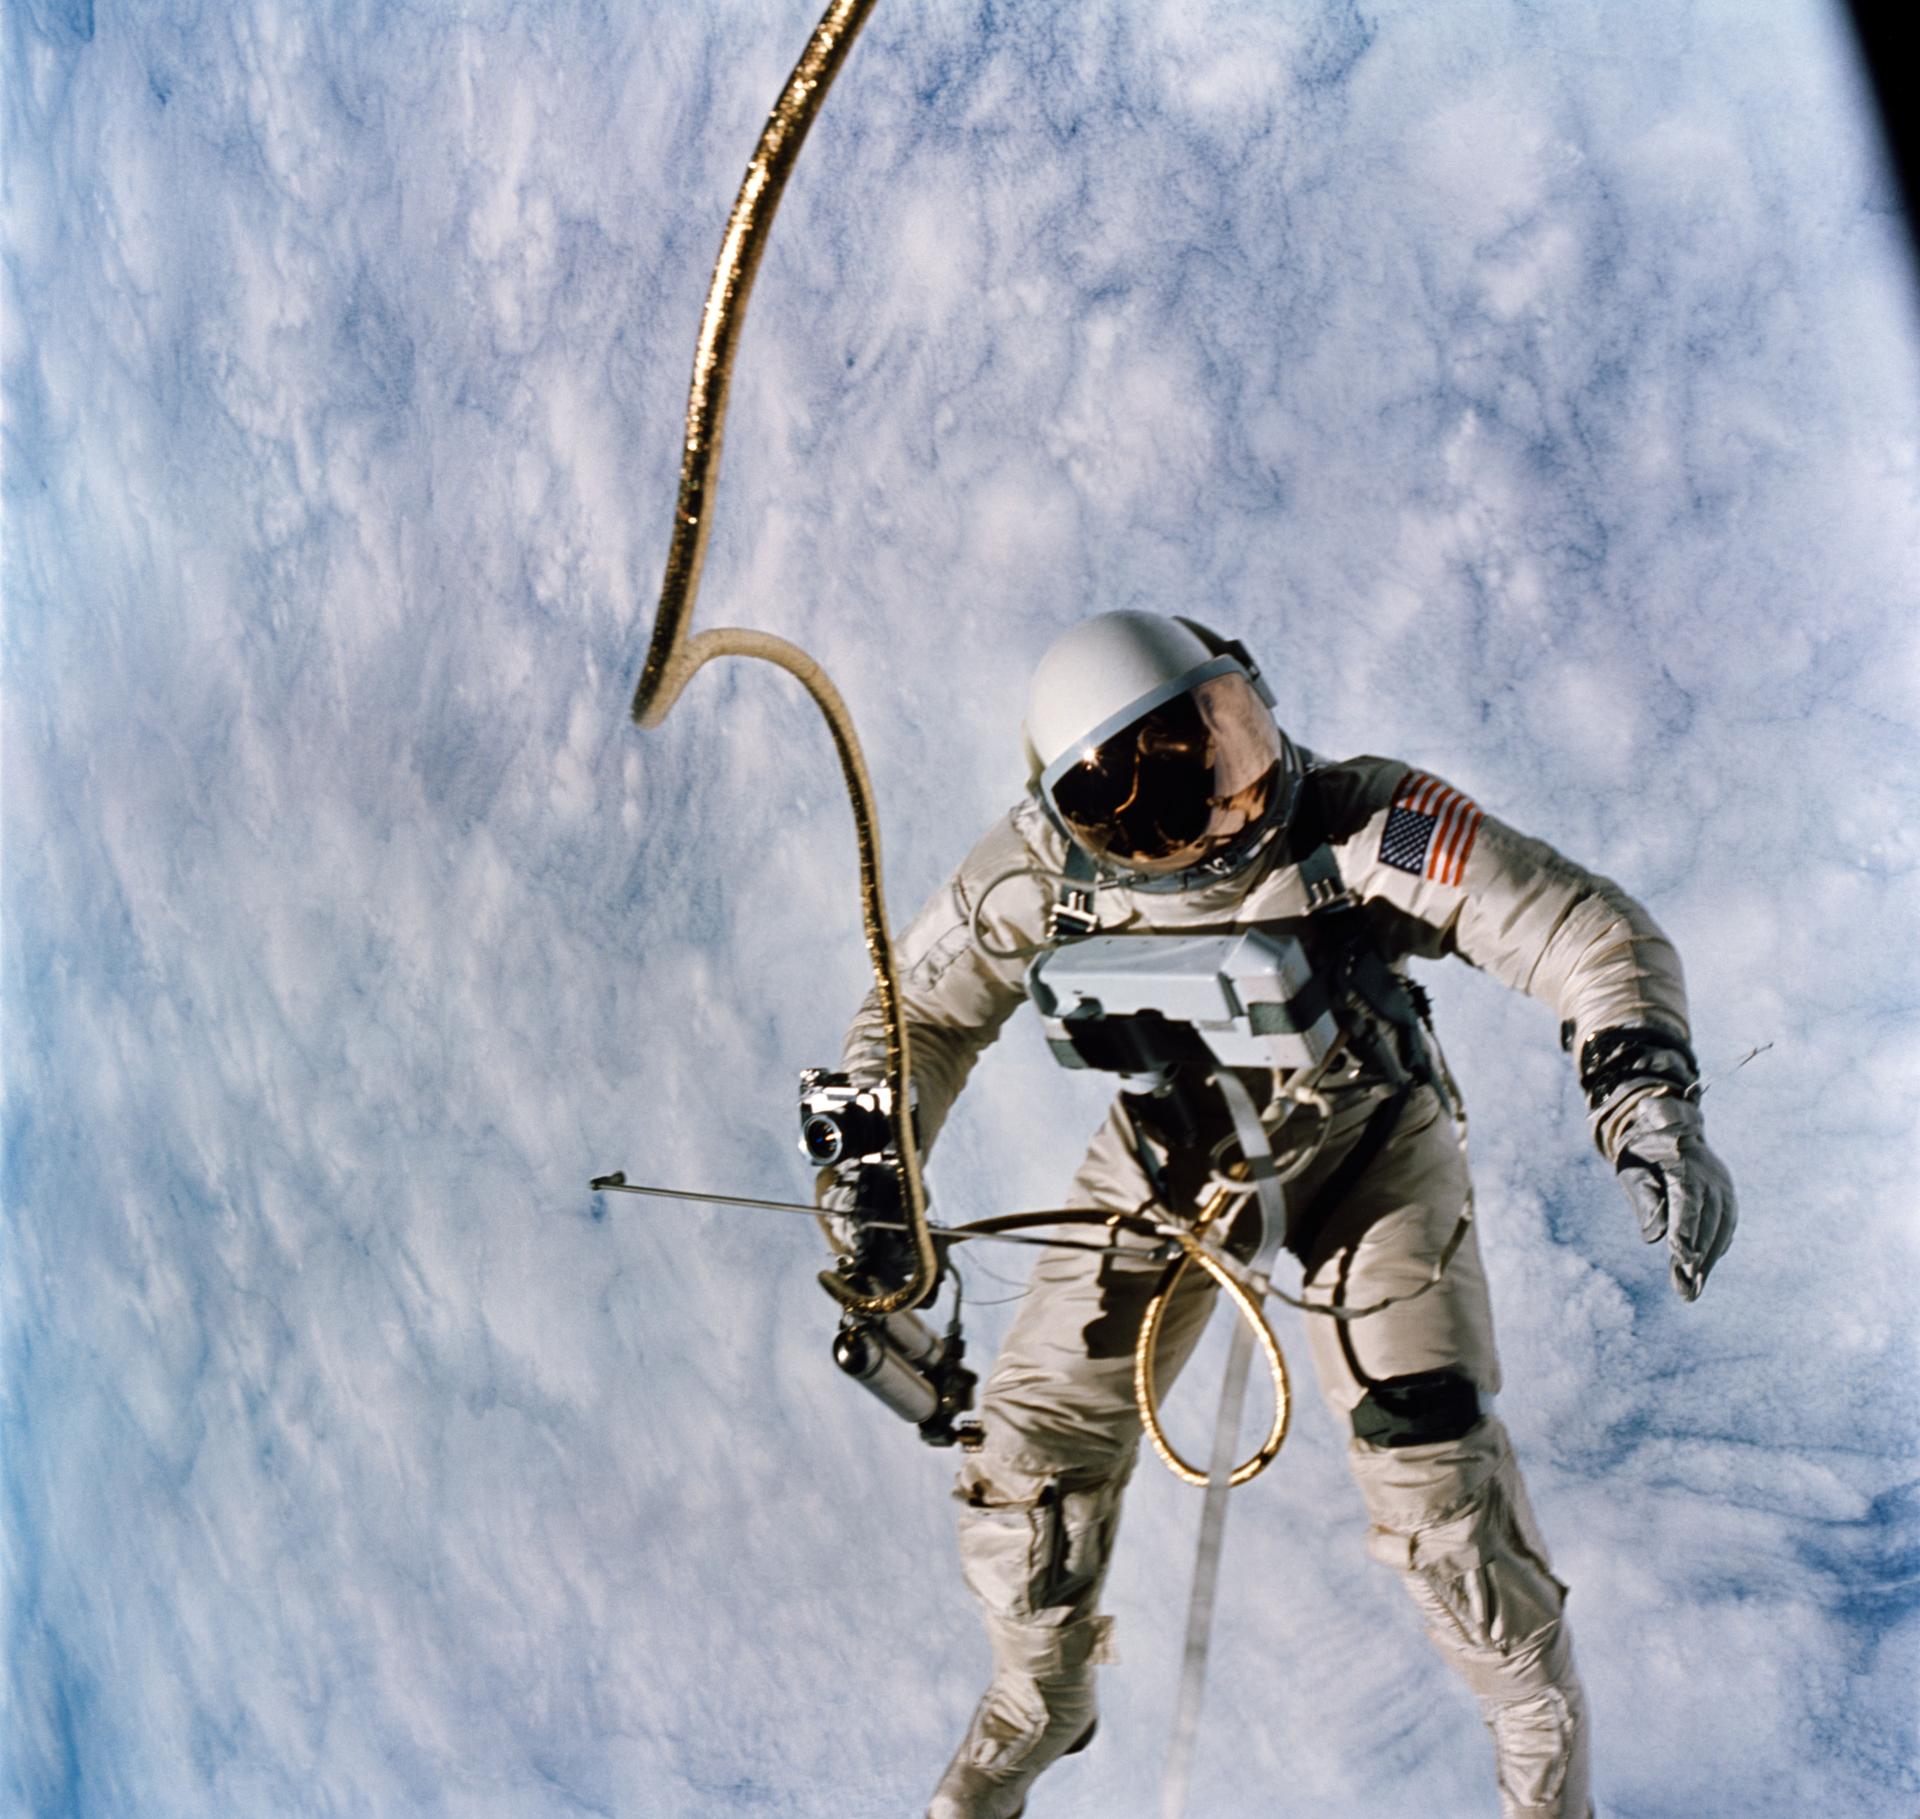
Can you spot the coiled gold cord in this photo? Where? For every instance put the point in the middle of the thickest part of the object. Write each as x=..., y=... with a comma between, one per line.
x=673, y=657
x=1146, y=1350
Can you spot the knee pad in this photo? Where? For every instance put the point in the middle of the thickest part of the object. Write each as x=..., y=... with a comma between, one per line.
x=1493, y=1609
x=1025, y=1722
x=1417, y=1410
x=1009, y=1744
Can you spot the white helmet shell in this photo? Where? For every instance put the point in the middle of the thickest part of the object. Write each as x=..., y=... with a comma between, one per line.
x=1102, y=668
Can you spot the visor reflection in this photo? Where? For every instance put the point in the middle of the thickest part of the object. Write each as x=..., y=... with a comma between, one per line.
x=1179, y=785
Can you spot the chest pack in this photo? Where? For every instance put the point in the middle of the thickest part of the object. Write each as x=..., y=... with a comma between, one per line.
x=1280, y=995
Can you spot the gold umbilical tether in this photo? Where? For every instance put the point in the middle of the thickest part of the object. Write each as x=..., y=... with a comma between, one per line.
x=673, y=657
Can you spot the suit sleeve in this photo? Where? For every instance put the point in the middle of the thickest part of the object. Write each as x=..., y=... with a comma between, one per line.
x=1462, y=882
x=957, y=991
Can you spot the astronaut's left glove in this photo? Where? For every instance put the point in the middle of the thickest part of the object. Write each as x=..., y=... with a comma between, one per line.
x=1643, y=1086
x=1680, y=1189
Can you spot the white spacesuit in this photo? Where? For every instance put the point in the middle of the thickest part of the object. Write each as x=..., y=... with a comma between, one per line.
x=1165, y=798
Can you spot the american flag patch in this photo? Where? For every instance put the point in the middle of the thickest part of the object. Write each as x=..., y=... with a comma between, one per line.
x=1430, y=829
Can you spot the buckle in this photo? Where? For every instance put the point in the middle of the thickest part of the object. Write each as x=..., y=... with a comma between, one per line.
x=1325, y=894
x=1072, y=916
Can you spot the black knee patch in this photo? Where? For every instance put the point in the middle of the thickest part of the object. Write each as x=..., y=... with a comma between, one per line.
x=1417, y=1410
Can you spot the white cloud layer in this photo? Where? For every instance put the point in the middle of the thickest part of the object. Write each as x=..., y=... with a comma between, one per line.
x=1533, y=387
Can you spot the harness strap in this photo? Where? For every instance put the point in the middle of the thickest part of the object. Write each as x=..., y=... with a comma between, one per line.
x=1389, y=995
x=1400, y=1004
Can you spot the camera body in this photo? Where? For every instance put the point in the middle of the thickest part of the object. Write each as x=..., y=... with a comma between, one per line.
x=842, y=1123
x=847, y=1129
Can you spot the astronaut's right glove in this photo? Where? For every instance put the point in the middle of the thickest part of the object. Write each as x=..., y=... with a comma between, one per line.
x=836, y=1192
x=1642, y=1086
x=861, y=1206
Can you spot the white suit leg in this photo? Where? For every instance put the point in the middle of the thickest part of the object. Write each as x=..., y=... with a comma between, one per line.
x=1450, y=1516
x=1040, y=1501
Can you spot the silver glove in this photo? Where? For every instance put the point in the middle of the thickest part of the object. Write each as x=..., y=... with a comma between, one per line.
x=837, y=1195
x=860, y=1205
x=1680, y=1189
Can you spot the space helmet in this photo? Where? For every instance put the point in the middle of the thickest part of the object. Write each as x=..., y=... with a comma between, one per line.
x=1153, y=747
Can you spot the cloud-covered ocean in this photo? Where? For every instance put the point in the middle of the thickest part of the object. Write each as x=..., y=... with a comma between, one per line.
x=1534, y=388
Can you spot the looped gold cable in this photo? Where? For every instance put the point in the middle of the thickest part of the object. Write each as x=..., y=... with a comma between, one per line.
x=1146, y=1394
x=673, y=658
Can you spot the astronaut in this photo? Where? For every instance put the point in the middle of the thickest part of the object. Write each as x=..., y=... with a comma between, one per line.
x=1164, y=797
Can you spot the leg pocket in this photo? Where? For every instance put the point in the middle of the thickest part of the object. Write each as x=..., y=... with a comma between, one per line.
x=1497, y=1606
x=1534, y=1742
x=1479, y=1579
x=1008, y=1548
x=1047, y=1552
x=1087, y=1520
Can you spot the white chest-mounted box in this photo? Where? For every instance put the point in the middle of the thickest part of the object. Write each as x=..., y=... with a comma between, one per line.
x=1134, y=1004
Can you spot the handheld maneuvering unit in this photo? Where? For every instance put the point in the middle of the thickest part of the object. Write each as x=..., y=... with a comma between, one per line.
x=919, y=1373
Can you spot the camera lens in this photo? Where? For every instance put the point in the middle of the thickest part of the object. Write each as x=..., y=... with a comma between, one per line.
x=822, y=1138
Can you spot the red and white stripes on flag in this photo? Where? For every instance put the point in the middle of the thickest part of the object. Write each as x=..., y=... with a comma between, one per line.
x=1430, y=829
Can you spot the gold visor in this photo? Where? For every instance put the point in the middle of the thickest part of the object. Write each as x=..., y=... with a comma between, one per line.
x=1179, y=785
